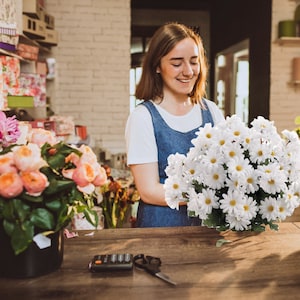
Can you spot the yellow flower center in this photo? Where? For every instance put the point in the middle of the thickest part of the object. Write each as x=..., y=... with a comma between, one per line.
x=246, y=207
x=271, y=182
x=231, y=153
x=239, y=168
x=232, y=202
x=216, y=176
x=175, y=186
x=207, y=201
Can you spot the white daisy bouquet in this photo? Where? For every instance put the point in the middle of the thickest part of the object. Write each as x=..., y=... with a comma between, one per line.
x=236, y=177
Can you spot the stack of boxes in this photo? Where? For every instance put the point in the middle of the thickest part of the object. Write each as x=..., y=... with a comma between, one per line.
x=38, y=24
x=25, y=87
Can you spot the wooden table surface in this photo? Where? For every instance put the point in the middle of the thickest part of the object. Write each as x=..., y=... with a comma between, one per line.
x=251, y=266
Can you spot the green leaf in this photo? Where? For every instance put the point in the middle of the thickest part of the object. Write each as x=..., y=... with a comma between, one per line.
x=221, y=242
x=21, y=209
x=36, y=199
x=8, y=227
x=54, y=205
x=91, y=216
x=273, y=226
x=42, y=218
x=21, y=237
x=57, y=186
x=8, y=210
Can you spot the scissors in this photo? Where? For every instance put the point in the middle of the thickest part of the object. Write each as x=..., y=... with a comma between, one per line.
x=151, y=265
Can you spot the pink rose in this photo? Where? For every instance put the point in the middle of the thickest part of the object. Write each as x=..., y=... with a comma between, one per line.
x=28, y=157
x=88, y=156
x=101, y=177
x=34, y=182
x=73, y=158
x=41, y=136
x=10, y=185
x=7, y=163
x=84, y=174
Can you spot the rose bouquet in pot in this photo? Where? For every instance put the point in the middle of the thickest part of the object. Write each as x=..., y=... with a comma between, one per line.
x=43, y=183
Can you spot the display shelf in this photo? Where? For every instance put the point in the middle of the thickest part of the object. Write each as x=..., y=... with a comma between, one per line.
x=9, y=53
x=289, y=40
x=295, y=82
x=26, y=40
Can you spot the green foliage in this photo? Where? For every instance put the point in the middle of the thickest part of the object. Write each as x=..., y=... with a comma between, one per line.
x=24, y=216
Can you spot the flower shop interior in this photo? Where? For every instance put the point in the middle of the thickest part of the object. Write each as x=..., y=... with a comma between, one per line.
x=76, y=74
x=69, y=68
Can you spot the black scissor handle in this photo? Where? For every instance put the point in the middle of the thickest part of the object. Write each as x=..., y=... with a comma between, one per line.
x=149, y=263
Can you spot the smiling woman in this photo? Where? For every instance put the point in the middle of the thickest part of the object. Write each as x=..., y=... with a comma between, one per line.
x=172, y=88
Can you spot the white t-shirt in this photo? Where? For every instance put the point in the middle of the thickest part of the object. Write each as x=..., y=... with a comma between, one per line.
x=139, y=132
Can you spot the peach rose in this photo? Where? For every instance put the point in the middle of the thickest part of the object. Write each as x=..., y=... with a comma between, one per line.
x=34, y=182
x=41, y=136
x=28, y=157
x=73, y=158
x=101, y=176
x=84, y=174
x=10, y=185
x=88, y=155
x=7, y=163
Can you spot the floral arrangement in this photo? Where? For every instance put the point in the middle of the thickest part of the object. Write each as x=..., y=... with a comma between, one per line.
x=116, y=198
x=43, y=183
x=235, y=177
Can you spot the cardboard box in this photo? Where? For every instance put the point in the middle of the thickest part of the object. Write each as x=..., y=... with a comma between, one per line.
x=33, y=28
x=41, y=67
x=45, y=124
x=50, y=39
x=81, y=131
x=49, y=20
x=9, y=78
x=20, y=101
x=33, y=9
x=28, y=51
x=33, y=84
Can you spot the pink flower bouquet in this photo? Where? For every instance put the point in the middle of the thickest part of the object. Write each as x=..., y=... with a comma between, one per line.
x=43, y=184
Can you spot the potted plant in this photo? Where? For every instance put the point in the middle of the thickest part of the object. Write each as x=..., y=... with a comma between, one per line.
x=43, y=184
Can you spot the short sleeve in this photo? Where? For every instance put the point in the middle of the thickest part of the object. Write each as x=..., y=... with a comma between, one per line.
x=139, y=136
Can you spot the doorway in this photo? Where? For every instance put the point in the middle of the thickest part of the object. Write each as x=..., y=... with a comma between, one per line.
x=232, y=80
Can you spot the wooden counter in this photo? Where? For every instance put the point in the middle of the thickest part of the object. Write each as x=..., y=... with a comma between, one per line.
x=251, y=266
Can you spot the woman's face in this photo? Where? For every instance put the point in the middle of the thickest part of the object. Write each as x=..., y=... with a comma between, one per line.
x=180, y=68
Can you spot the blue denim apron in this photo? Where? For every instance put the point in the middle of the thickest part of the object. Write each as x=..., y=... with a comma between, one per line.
x=169, y=141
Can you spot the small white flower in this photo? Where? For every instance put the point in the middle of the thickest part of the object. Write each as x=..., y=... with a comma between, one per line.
x=238, y=223
x=238, y=166
x=174, y=189
x=269, y=209
x=232, y=202
x=250, y=208
x=215, y=178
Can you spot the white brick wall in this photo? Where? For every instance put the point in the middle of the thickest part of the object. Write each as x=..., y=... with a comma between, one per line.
x=92, y=64
x=284, y=97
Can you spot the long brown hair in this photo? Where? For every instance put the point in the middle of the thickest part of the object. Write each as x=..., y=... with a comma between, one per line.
x=150, y=86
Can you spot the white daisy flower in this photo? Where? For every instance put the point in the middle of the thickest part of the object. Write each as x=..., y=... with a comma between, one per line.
x=250, y=208
x=214, y=178
x=268, y=209
x=232, y=202
x=284, y=210
x=174, y=188
x=238, y=223
x=238, y=166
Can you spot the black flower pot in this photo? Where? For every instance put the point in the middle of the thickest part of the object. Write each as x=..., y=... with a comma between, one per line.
x=33, y=262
